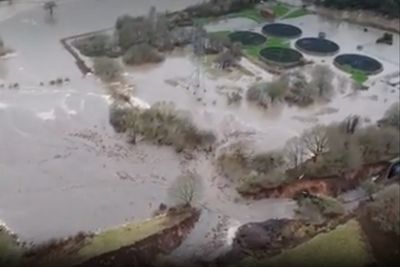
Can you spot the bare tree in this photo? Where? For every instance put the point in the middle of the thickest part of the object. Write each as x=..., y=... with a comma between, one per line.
x=316, y=140
x=277, y=89
x=49, y=6
x=186, y=189
x=295, y=151
x=322, y=77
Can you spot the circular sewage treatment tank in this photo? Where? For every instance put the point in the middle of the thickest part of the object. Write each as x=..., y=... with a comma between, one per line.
x=247, y=38
x=317, y=46
x=362, y=63
x=281, y=56
x=281, y=30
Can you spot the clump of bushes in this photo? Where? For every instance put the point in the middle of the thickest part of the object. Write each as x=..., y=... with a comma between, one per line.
x=248, y=169
x=304, y=92
x=98, y=45
x=162, y=124
x=107, y=69
x=318, y=209
x=392, y=116
x=142, y=53
x=385, y=209
x=266, y=93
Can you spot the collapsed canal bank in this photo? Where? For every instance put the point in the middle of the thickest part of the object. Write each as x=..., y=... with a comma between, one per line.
x=131, y=243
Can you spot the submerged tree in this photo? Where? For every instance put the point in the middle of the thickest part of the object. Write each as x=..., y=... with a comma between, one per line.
x=186, y=189
x=316, y=140
x=50, y=6
x=322, y=77
x=295, y=151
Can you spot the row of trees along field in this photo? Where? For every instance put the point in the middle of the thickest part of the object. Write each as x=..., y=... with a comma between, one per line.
x=389, y=8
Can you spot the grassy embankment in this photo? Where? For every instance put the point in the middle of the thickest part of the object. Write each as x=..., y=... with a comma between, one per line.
x=10, y=252
x=343, y=246
x=75, y=252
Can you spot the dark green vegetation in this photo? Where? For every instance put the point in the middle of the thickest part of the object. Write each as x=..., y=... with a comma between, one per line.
x=281, y=56
x=162, y=124
x=390, y=8
x=318, y=209
x=344, y=246
x=10, y=252
x=215, y=8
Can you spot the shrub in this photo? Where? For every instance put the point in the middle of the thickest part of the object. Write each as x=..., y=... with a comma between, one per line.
x=107, y=69
x=186, y=189
x=248, y=170
x=322, y=77
x=378, y=143
x=385, y=209
x=142, y=53
x=94, y=46
x=258, y=94
x=392, y=116
x=165, y=125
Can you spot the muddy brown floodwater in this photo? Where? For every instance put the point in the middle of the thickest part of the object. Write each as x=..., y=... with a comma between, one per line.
x=64, y=170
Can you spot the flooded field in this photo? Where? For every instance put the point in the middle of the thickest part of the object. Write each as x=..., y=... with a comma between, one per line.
x=64, y=170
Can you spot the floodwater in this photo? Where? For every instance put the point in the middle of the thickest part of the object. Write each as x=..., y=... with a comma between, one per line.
x=231, y=24
x=64, y=170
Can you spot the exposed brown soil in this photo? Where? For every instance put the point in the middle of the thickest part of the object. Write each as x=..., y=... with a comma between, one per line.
x=329, y=185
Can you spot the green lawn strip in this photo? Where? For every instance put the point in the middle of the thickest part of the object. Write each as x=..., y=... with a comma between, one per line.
x=253, y=50
x=277, y=42
x=296, y=13
x=127, y=235
x=280, y=9
x=251, y=13
x=10, y=251
x=343, y=246
x=357, y=75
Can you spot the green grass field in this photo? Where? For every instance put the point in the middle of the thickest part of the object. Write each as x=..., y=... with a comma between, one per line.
x=127, y=235
x=296, y=13
x=280, y=9
x=343, y=246
x=358, y=76
x=250, y=13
